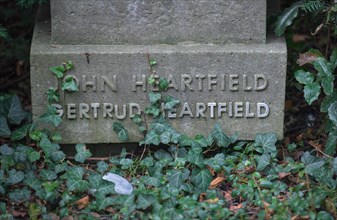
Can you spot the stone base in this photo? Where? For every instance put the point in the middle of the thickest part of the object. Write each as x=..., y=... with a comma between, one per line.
x=233, y=84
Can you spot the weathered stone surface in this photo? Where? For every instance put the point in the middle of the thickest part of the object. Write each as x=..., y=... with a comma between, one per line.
x=217, y=74
x=158, y=21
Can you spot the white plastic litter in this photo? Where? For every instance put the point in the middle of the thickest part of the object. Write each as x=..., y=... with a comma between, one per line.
x=122, y=186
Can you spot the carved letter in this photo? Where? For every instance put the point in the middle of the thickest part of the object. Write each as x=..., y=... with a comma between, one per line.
x=223, y=82
x=71, y=111
x=186, y=110
x=172, y=113
x=136, y=83
x=123, y=115
x=248, y=113
x=59, y=109
x=83, y=110
x=107, y=109
x=86, y=84
x=131, y=107
x=230, y=109
x=200, y=108
x=257, y=85
x=112, y=85
x=95, y=106
x=245, y=83
x=200, y=77
x=221, y=108
x=233, y=82
x=238, y=109
x=172, y=82
x=211, y=105
x=259, y=111
x=185, y=82
x=210, y=81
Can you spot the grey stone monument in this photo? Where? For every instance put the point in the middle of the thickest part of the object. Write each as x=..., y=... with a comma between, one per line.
x=215, y=54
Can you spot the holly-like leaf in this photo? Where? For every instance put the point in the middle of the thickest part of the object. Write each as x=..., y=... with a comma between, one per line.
x=123, y=134
x=58, y=71
x=82, y=153
x=51, y=117
x=267, y=141
x=304, y=77
x=331, y=144
x=201, y=179
x=332, y=112
x=4, y=129
x=311, y=92
x=286, y=19
x=323, y=68
x=327, y=84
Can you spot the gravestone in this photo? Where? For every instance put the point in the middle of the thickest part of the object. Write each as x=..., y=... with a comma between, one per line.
x=215, y=55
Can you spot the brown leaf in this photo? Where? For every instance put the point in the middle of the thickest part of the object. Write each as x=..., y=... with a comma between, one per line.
x=282, y=175
x=19, y=213
x=19, y=67
x=235, y=208
x=82, y=203
x=217, y=181
x=212, y=201
x=318, y=29
x=110, y=210
x=300, y=37
x=307, y=57
x=68, y=218
x=228, y=196
x=202, y=197
x=297, y=217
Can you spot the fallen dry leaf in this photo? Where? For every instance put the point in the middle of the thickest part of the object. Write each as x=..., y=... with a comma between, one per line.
x=300, y=37
x=318, y=29
x=82, y=203
x=216, y=182
x=19, y=213
x=282, y=175
x=212, y=201
x=235, y=208
x=228, y=196
x=202, y=197
x=307, y=57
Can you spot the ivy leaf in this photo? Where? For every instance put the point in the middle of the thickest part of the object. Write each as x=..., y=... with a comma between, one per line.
x=51, y=117
x=201, y=179
x=165, y=137
x=4, y=129
x=33, y=155
x=304, y=77
x=20, y=133
x=69, y=84
x=58, y=156
x=6, y=150
x=332, y=112
x=58, y=71
x=152, y=110
x=286, y=19
x=123, y=134
x=170, y=102
x=201, y=140
x=151, y=181
x=267, y=141
x=19, y=195
x=163, y=84
x=104, y=202
x=331, y=144
x=154, y=97
x=311, y=168
x=216, y=162
x=221, y=139
x=144, y=201
x=195, y=157
x=152, y=138
x=16, y=114
x=311, y=92
x=15, y=177
x=126, y=163
x=82, y=153
x=53, y=95
x=102, y=167
x=263, y=162
x=47, y=174
x=176, y=178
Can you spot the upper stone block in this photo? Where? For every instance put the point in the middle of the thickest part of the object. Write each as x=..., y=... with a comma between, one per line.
x=144, y=22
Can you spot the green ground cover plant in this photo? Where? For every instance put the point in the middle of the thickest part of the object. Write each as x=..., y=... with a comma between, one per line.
x=174, y=176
